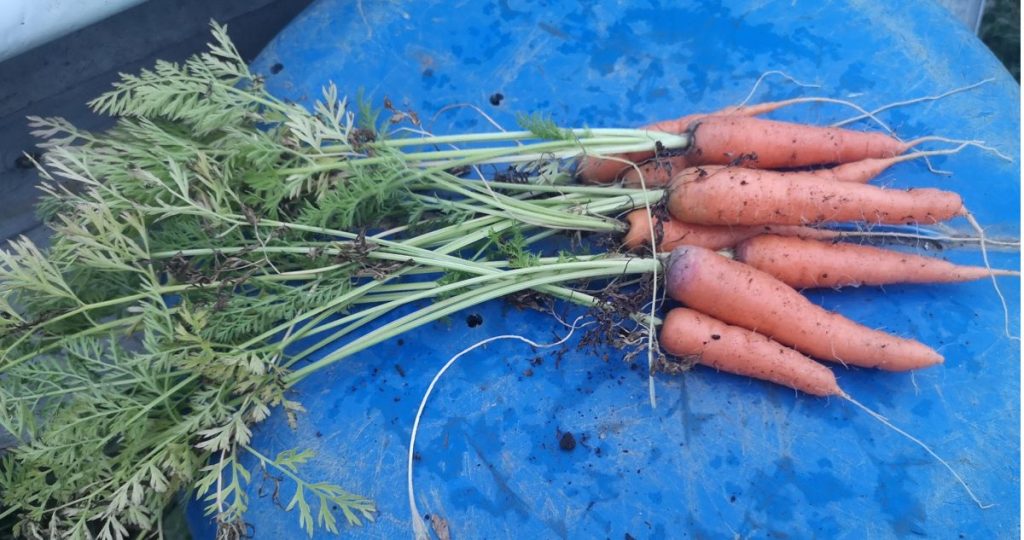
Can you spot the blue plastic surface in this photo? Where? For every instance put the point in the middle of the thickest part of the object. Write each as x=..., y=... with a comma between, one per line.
x=721, y=456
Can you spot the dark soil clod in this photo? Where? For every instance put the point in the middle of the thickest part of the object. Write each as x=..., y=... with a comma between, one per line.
x=496, y=98
x=474, y=320
x=25, y=161
x=567, y=442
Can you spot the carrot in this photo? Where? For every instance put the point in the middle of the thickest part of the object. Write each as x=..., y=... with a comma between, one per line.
x=660, y=172
x=687, y=333
x=657, y=172
x=710, y=342
x=600, y=171
x=866, y=170
x=593, y=170
x=740, y=138
x=804, y=263
x=732, y=197
x=770, y=144
x=744, y=296
x=862, y=171
x=597, y=170
x=675, y=233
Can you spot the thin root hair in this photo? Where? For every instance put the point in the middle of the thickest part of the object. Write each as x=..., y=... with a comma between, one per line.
x=478, y=110
x=962, y=142
x=913, y=101
x=419, y=526
x=995, y=283
x=654, y=278
x=917, y=441
x=780, y=73
x=844, y=102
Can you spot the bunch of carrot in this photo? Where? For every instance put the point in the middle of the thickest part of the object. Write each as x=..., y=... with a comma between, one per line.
x=216, y=226
x=759, y=187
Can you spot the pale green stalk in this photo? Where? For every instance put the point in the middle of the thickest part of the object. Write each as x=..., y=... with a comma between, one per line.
x=542, y=151
x=488, y=278
x=451, y=305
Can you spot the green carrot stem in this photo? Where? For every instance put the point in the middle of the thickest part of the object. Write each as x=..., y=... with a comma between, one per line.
x=584, y=133
x=550, y=150
x=600, y=191
x=562, y=220
x=451, y=305
x=363, y=317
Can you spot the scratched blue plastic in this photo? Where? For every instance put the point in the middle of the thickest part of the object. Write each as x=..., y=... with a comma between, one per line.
x=720, y=456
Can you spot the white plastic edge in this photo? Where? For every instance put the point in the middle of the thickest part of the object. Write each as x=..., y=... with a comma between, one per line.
x=26, y=24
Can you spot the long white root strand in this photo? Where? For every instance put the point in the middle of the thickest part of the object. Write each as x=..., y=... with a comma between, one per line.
x=926, y=448
x=419, y=526
x=995, y=283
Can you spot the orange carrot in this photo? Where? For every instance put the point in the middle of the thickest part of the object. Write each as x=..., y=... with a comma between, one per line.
x=744, y=296
x=687, y=333
x=729, y=196
x=736, y=137
x=660, y=172
x=769, y=144
x=866, y=170
x=657, y=173
x=595, y=170
x=861, y=172
x=601, y=171
x=675, y=233
x=804, y=263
